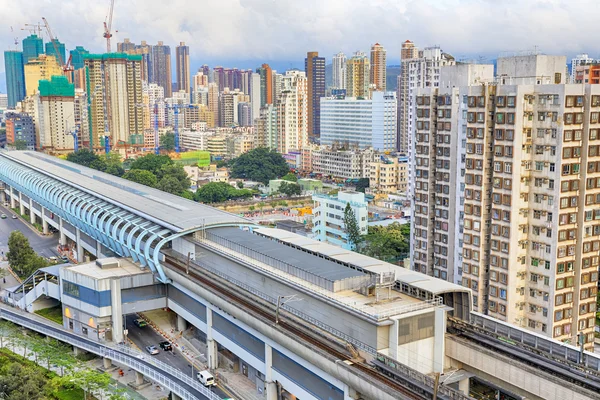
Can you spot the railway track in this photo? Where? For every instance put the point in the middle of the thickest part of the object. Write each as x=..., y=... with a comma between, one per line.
x=230, y=295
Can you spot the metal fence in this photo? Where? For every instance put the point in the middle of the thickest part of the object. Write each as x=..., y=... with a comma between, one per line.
x=556, y=349
x=158, y=371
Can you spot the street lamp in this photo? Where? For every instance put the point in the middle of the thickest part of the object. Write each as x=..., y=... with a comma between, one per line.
x=281, y=300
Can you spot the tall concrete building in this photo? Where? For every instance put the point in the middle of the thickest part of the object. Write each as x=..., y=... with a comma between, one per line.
x=57, y=114
x=213, y=98
x=265, y=128
x=314, y=67
x=182, y=54
x=77, y=56
x=37, y=69
x=408, y=53
x=228, y=107
x=580, y=59
x=372, y=123
x=219, y=77
x=33, y=46
x=266, y=84
x=378, y=67
x=20, y=127
x=358, y=72
x=15, y=77
x=161, y=65
x=292, y=112
x=255, y=95
x=506, y=189
x=338, y=69
x=244, y=114
x=115, y=88
x=144, y=50
x=52, y=51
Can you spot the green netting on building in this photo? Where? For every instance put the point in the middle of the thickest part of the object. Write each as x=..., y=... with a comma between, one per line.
x=113, y=56
x=56, y=86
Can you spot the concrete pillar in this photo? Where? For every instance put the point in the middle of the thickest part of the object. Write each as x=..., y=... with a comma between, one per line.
x=12, y=197
x=212, y=354
x=439, y=342
x=21, y=206
x=394, y=339
x=3, y=196
x=98, y=249
x=139, y=378
x=45, y=230
x=79, y=246
x=175, y=396
x=117, y=311
x=31, y=214
x=464, y=386
x=181, y=323
x=271, y=386
x=63, y=238
x=350, y=394
x=77, y=351
x=107, y=362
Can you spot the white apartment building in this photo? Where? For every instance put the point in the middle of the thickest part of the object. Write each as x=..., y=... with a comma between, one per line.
x=344, y=164
x=580, y=59
x=255, y=95
x=328, y=217
x=194, y=140
x=527, y=231
x=352, y=122
x=292, y=112
x=265, y=127
x=339, y=71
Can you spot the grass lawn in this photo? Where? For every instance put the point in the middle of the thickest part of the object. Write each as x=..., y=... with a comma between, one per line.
x=53, y=314
x=70, y=394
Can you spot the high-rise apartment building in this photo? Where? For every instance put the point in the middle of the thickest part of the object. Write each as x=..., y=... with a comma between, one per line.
x=213, y=98
x=228, y=107
x=338, y=70
x=378, y=67
x=244, y=114
x=126, y=46
x=265, y=127
x=182, y=53
x=266, y=84
x=314, y=67
x=20, y=128
x=292, y=112
x=219, y=77
x=37, y=69
x=56, y=114
x=51, y=50
x=409, y=52
x=15, y=77
x=580, y=59
x=358, y=72
x=525, y=238
x=33, y=46
x=161, y=66
x=255, y=95
x=115, y=88
x=372, y=125
x=77, y=57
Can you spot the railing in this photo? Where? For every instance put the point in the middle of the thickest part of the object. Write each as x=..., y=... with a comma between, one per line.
x=425, y=380
x=150, y=367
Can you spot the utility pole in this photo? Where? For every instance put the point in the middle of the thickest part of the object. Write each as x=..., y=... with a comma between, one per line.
x=281, y=300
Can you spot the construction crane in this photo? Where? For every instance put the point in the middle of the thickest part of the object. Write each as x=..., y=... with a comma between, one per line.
x=67, y=67
x=175, y=108
x=34, y=29
x=108, y=27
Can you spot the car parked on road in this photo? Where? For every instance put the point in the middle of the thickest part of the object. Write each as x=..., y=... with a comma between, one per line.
x=140, y=323
x=166, y=346
x=3, y=216
x=206, y=378
x=14, y=216
x=152, y=350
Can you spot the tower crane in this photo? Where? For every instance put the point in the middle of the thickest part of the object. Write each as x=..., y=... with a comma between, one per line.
x=67, y=67
x=176, y=108
x=108, y=27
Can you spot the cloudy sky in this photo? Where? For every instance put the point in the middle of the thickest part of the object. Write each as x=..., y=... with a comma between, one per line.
x=244, y=33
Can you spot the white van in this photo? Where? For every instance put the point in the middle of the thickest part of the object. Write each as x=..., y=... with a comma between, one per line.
x=206, y=378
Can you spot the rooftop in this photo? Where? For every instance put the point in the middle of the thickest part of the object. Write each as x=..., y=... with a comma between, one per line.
x=126, y=268
x=172, y=211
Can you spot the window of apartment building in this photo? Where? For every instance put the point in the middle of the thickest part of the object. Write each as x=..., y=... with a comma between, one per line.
x=558, y=315
x=594, y=117
x=510, y=101
x=500, y=118
x=500, y=101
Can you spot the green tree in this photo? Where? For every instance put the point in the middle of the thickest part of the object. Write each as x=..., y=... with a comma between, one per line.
x=240, y=184
x=290, y=177
x=83, y=157
x=214, y=192
x=141, y=176
x=169, y=171
x=388, y=243
x=20, y=254
x=259, y=165
x=20, y=145
x=261, y=205
x=290, y=189
x=351, y=227
x=151, y=162
x=186, y=194
x=167, y=141
x=113, y=163
x=362, y=184
x=170, y=184
x=221, y=163
x=90, y=380
x=22, y=382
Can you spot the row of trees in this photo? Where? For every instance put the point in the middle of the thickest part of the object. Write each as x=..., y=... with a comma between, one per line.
x=21, y=379
x=21, y=257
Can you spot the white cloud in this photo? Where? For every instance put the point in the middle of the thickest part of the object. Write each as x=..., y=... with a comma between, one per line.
x=285, y=29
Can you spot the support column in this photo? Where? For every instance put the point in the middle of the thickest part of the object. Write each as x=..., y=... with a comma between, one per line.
x=139, y=378
x=98, y=249
x=175, y=396
x=21, y=206
x=107, y=362
x=439, y=342
x=3, y=195
x=45, y=230
x=212, y=354
x=271, y=386
x=63, y=238
x=181, y=323
x=31, y=214
x=117, y=310
x=79, y=246
x=350, y=394
x=12, y=197
x=394, y=339
x=465, y=386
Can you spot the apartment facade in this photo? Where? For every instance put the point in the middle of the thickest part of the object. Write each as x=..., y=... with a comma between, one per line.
x=388, y=175
x=358, y=75
x=292, y=112
x=57, y=114
x=328, y=217
x=526, y=188
x=342, y=164
x=378, y=68
x=182, y=54
x=314, y=66
x=338, y=69
x=42, y=68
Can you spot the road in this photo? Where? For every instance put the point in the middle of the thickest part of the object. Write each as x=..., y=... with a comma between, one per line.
x=42, y=245
x=147, y=336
